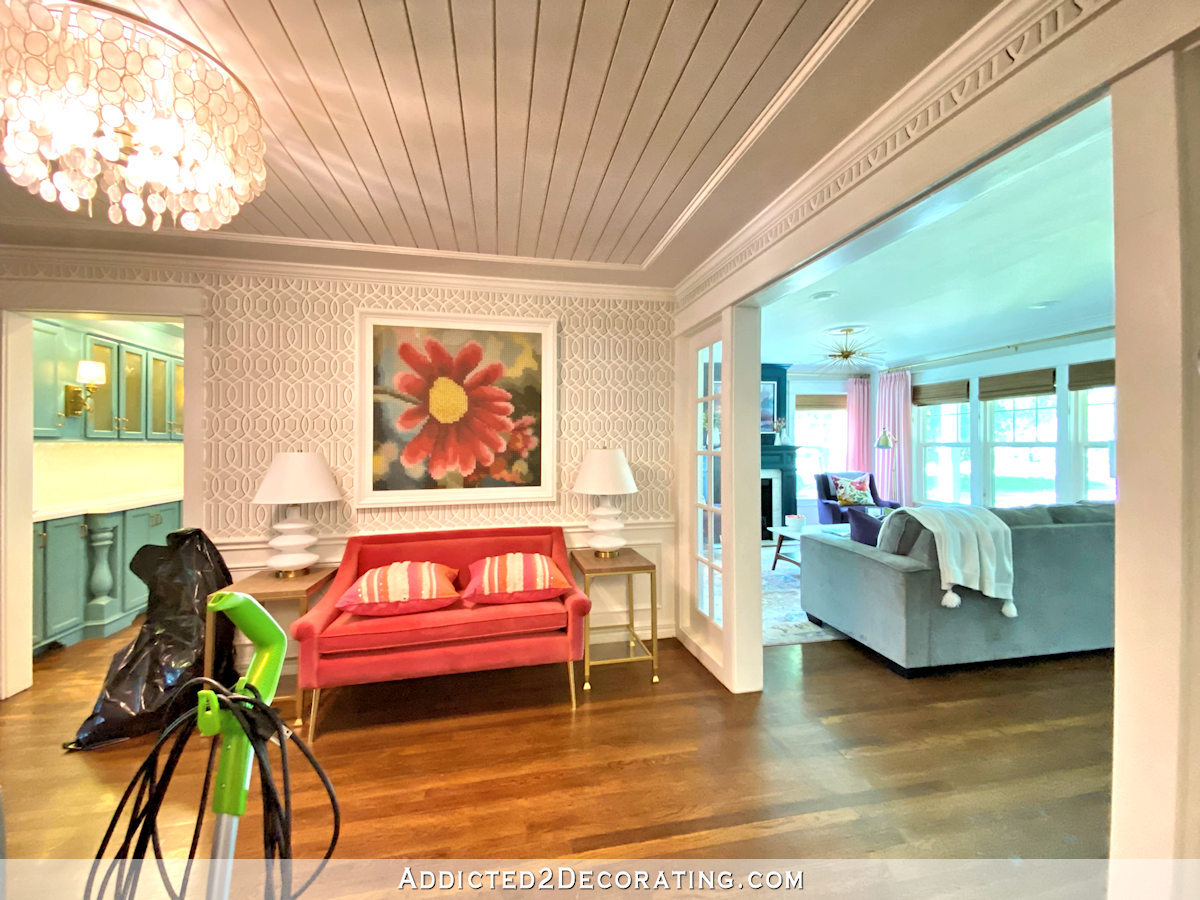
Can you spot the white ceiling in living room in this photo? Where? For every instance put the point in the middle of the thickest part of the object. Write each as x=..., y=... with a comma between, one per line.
x=572, y=139
x=1017, y=250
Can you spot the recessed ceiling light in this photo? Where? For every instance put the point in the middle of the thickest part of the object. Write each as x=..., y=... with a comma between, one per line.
x=1043, y=304
x=846, y=330
x=822, y=296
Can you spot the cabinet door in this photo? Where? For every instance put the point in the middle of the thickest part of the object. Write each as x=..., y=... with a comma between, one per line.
x=65, y=574
x=137, y=535
x=102, y=420
x=47, y=390
x=131, y=422
x=176, y=423
x=39, y=582
x=158, y=397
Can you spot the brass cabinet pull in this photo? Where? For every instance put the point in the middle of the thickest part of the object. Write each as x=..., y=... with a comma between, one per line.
x=156, y=519
x=83, y=529
x=41, y=540
x=62, y=418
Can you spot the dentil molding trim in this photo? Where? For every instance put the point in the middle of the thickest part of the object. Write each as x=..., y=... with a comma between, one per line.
x=47, y=263
x=1007, y=39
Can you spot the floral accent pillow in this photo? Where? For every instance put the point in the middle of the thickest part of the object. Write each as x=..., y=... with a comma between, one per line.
x=399, y=588
x=853, y=491
x=515, y=578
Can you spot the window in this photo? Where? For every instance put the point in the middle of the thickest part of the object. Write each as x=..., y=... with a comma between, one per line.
x=944, y=452
x=819, y=432
x=1096, y=436
x=1022, y=437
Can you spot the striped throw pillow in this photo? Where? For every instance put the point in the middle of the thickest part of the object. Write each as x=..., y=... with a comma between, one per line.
x=399, y=588
x=515, y=578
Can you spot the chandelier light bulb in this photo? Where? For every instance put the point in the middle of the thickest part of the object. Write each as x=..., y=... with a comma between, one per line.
x=95, y=102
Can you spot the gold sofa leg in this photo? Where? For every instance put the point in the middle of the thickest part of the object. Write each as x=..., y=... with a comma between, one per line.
x=571, y=680
x=312, y=715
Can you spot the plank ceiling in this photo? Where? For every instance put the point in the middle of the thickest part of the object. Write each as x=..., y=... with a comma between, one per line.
x=560, y=129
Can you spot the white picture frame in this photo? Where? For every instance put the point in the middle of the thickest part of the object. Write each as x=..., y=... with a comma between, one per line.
x=525, y=471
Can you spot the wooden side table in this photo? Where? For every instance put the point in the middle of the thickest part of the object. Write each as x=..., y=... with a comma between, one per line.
x=265, y=587
x=628, y=563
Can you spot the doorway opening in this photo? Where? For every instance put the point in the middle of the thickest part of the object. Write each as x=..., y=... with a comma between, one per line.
x=959, y=353
x=107, y=468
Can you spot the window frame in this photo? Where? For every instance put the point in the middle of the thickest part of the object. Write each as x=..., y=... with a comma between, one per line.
x=989, y=445
x=1080, y=444
x=920, y=445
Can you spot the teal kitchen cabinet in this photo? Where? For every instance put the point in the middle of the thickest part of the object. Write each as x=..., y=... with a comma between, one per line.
x=147, y=525
x=47, y=392
x=164, y=398
x=55, y=358
x=61, y=589
x=118, y=405
x=39, y=584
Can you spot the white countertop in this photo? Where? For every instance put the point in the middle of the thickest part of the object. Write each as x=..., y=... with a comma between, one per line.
x=98, y=507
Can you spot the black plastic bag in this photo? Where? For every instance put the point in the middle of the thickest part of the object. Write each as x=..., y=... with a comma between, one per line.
x=169, y=648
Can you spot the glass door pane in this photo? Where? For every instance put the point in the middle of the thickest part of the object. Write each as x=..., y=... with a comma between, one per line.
x=706, y=534
x=133, y=364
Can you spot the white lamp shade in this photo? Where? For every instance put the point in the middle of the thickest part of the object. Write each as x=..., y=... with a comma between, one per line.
x=605, y=472
x=298, y=477
x=90, y=371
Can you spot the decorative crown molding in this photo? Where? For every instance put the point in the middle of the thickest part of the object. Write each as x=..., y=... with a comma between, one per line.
x=88, y=264
x=1005, y=40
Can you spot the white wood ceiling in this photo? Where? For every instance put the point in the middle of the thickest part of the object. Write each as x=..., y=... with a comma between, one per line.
x=554, y=129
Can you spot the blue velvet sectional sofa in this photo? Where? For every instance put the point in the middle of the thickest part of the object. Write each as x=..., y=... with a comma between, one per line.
x=891, y=602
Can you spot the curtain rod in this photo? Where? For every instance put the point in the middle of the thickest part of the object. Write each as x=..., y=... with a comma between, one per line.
x=1008, y=349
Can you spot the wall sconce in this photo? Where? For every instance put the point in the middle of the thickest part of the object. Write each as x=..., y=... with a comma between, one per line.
x=89, y=373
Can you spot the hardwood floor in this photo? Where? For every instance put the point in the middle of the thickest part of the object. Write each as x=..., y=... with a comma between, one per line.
x=838, y=757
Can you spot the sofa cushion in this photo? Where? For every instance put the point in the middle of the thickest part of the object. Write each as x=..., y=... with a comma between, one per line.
x=1023, y=515
x=401, y=588
x=515, y=578
x=864, y=527
x=349, y=633
x=1080, y=513
x=853, y=491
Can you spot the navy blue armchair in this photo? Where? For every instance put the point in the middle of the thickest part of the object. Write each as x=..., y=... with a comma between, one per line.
x=828, y=510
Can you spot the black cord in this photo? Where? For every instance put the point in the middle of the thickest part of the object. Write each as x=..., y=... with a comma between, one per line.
x=149, y=786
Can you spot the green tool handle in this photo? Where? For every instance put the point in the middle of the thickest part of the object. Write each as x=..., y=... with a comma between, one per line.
x=270, y=645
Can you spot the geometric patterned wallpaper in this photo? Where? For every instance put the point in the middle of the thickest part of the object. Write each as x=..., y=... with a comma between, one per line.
x=279, y=366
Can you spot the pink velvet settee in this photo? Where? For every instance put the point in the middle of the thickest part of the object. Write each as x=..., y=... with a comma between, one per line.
x=339, y=648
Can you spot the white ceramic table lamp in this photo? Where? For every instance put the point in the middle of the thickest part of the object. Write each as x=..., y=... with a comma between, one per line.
x=603, y=474
x=294, y=478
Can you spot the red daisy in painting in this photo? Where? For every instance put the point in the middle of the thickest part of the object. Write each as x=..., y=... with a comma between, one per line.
x=463, y=416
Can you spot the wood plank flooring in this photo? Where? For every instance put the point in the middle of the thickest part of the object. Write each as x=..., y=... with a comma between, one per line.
x=838, y=757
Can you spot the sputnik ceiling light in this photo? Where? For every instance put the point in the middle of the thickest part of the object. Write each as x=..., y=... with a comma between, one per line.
x=99, y=101
x=848, y=350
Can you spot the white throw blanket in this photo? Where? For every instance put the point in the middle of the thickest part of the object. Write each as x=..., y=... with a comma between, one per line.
x=974, y=549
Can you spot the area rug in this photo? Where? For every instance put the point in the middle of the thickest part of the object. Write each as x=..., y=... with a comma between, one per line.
x=784, y=621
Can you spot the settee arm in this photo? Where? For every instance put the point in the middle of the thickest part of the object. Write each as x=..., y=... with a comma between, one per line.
x=318, y=618
x=578, y=605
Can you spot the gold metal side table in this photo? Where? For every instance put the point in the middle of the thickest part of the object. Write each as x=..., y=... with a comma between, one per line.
x=628, y=563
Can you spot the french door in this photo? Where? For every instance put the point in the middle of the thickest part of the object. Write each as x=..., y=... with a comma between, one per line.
x=721, y=620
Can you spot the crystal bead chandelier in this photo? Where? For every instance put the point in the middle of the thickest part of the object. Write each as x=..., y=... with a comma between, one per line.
x=97, y=101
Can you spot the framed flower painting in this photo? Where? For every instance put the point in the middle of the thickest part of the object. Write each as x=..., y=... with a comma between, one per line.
x=455, y=409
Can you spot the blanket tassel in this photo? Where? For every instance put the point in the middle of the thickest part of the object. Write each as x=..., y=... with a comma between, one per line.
x=1009, y=609
x=952, y=600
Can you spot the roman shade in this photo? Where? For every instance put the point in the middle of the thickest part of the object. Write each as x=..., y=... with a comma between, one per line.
x=817, y=402
x=1017, y=384
x=1102, y=373
x=942, y=392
